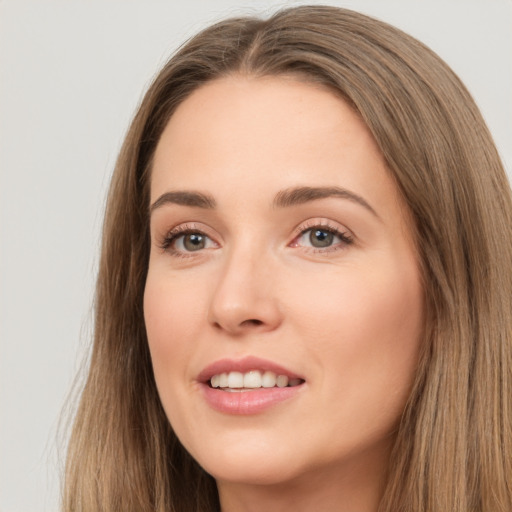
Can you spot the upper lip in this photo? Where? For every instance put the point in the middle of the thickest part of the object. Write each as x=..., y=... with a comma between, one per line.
x=244, y=365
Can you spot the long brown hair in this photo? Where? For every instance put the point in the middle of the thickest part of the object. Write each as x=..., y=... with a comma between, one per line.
x=454, y=445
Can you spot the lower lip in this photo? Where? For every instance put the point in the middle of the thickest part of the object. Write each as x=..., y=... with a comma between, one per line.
x=247, y=402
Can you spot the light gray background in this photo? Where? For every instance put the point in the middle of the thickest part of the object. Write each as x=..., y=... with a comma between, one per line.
x=71, y=75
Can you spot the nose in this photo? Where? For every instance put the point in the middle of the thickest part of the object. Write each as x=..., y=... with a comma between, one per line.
x=245, y=299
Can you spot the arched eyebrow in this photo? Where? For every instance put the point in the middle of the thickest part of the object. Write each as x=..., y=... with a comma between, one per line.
x=283, y=199
x=184, y=198
x=301, y=195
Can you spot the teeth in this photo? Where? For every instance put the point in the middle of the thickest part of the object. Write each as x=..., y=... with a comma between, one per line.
x=282, y=381
x=268, y=380
x=235, y=380
x=252, y=380
x=223, y=380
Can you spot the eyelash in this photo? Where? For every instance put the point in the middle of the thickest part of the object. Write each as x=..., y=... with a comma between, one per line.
x=167, y=244
x=345, y=236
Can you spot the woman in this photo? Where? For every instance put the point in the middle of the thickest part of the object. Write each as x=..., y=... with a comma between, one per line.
x=304, y=292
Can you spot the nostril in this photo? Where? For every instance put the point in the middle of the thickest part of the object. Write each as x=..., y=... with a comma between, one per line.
x=252, y=322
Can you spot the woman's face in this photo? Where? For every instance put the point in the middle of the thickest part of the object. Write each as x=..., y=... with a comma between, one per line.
x=280, y=252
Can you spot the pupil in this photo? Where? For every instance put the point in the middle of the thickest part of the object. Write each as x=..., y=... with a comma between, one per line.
x=193, y=242
x=320, y=238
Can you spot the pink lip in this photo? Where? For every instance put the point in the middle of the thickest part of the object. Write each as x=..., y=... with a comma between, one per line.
x=245, y=402
x=243, y=365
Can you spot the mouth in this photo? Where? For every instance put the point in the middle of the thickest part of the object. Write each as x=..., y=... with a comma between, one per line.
x=253, y=379
x=248, y=386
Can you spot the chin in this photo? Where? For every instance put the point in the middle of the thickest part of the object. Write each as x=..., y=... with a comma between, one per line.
x=249, y=463
x=252, y=474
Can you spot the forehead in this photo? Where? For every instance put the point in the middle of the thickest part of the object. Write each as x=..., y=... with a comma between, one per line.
x=251, y=137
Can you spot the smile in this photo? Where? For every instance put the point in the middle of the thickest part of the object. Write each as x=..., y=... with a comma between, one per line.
x=248, y=386
x=253, y=379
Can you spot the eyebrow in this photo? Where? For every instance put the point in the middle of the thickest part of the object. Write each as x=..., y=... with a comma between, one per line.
x=283, y=199
x=301, y=195
x=184, y=198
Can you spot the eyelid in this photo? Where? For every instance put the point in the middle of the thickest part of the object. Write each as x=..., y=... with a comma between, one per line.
x=319, y=222
x=169, y=236
x=337, y=229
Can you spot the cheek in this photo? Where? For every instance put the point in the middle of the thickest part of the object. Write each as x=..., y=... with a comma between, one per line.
x=367, y=328
x=348, y=304
x=171, y=316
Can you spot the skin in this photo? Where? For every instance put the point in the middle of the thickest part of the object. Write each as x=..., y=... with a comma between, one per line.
x=347, y=317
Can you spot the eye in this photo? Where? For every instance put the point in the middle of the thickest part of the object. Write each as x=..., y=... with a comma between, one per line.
x=322, y=237
x=191, y=242
x=183, y=240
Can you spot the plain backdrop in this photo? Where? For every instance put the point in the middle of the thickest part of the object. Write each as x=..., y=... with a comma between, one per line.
x=71, y=74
